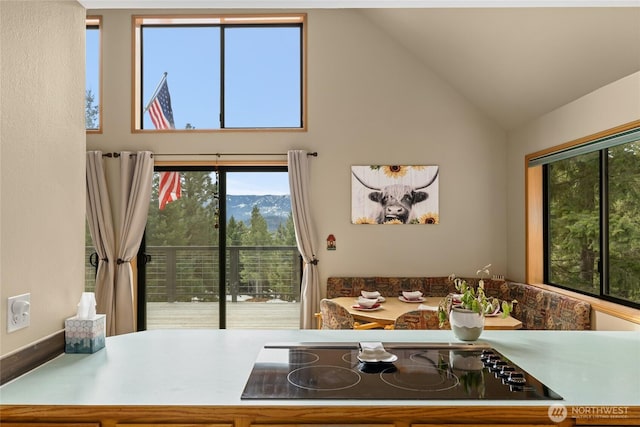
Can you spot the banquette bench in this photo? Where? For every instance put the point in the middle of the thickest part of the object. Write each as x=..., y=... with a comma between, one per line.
x=536, y=308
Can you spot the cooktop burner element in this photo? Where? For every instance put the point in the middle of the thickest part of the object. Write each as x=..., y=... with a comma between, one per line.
x=324, y=377
x=422, y=371
x=420, y=378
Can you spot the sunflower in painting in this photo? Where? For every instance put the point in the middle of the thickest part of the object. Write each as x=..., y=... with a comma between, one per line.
x=395, y=171
x=365, y=220
x=429, y=218
x=393, y=221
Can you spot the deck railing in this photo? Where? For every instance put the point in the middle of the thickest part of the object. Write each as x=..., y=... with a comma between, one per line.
x=191, y=273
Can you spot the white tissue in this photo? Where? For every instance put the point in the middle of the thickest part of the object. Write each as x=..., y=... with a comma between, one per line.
x=375, y=352
x=87, y=306
x=371, y=346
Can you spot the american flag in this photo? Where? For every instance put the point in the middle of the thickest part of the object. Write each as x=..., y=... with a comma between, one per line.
x=160, y=109
x=169, y=188
x=162, y=118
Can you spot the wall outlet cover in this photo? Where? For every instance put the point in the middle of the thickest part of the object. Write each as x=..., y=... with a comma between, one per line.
x=18, y=312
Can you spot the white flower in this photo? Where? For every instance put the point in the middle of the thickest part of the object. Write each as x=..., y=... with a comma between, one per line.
x=484, y=270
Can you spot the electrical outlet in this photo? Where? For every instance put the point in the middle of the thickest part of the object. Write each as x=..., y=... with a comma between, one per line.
x=18, y=312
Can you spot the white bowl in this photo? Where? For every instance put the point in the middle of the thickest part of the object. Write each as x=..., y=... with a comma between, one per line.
x=410, y=295
x=370, y=294
x=367, y=302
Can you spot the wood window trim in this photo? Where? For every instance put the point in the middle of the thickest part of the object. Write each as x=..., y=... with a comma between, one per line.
x=96, y=20
x=136, y=29
x=534, y=233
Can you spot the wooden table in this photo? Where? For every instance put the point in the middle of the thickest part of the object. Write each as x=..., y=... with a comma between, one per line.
x=393, y=307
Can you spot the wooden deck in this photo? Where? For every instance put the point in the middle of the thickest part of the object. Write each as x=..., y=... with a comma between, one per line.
x=240, y=315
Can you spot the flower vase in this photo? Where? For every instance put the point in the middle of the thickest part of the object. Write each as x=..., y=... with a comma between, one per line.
x=466, y=325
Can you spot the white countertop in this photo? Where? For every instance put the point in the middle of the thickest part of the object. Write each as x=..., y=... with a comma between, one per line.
x=210, y=367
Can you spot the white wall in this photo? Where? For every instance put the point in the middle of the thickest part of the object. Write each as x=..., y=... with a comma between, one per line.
x=369, y=102
x=42, y=163
x=610, y=106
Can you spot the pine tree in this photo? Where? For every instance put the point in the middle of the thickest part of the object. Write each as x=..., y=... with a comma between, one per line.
x=258, y=233
x=91, y=111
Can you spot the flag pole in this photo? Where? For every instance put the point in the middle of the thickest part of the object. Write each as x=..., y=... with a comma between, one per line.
x=155, y=93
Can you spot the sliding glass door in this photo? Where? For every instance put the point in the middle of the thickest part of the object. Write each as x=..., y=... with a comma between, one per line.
x=219, y=251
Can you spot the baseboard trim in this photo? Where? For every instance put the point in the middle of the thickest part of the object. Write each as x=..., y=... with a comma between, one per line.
x=27, y=358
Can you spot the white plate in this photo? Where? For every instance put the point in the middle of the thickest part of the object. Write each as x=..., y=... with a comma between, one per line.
x=494, y=314
x=378, y=357
x=380, y=299
x=403, y=299
x=357, y=307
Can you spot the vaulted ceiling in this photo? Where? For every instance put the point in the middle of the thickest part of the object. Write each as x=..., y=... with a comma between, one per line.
x=518, y=63
x=513, y=63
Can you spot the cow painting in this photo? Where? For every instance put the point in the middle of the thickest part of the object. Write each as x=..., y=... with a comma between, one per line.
x=395, y=195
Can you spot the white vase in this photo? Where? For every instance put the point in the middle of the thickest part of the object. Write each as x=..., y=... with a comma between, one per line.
x=466, y=324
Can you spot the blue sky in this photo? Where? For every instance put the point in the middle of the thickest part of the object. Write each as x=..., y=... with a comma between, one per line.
x=255, y=183
x=92, y=62
x=193, y=78
x=262, y=74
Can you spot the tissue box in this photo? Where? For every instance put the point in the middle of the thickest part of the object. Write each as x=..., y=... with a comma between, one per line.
x=84, y=335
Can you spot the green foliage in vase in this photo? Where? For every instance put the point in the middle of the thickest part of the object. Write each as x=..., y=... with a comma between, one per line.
x=472, y=299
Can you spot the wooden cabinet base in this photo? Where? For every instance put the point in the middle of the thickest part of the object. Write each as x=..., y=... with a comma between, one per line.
x=289, y=416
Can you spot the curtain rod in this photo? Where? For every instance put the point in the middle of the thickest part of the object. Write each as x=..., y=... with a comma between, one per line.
x=312, y=153
x=116, y=154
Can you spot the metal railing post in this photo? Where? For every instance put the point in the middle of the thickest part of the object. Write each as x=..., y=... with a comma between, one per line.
x=172, y=275
x=234, y=273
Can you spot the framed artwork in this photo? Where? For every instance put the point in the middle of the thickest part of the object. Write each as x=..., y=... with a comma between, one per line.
x=394, y=194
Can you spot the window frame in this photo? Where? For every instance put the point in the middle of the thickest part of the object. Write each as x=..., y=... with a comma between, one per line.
x=224, y=167
x=96, y=21
x=535, y=226
x=250, y=20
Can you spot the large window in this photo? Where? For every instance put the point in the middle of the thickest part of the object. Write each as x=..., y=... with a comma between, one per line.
x=221, y=72
x=92, y=75
x=591, y=217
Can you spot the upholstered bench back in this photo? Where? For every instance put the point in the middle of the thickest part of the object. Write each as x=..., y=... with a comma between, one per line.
x=393, y=286
x=536, y=308
x=542, y=309
x=388, y=286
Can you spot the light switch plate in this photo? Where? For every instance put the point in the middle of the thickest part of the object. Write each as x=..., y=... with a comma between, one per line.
x=18, y=312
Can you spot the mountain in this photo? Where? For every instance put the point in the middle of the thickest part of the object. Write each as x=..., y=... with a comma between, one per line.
x=274, y=209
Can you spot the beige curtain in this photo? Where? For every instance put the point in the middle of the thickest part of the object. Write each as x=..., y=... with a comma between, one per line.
x=298, y=164
x=136, y=177
x=102, y=234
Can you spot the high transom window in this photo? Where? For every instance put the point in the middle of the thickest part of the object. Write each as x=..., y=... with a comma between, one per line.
x=92, y=75
x=220, y=72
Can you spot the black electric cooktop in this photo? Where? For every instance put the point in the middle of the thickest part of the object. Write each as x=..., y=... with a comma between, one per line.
x=421, y=371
